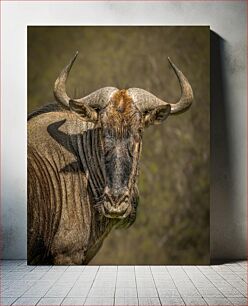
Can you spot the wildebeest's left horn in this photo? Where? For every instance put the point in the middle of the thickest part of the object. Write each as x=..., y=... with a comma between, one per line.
x=97, y=99
x=146, y=101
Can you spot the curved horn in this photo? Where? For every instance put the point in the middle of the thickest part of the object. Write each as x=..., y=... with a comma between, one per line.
x=97, y=99
x=145, y=101
x=59, y=86
x=186, y=92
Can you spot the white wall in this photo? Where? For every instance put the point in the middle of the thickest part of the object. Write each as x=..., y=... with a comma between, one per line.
x=229, y=96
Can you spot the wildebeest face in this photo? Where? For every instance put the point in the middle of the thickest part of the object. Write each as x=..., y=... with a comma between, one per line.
x=121, y=125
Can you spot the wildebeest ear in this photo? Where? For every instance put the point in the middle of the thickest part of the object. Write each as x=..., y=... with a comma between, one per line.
x=157, y=115
x=84, y=111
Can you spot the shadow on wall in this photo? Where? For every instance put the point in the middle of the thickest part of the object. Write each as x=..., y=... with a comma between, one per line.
x=221, y=204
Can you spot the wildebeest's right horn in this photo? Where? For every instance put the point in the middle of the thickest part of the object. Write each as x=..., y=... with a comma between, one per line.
x=145, y=101
x=97, y=99
x=59, y=86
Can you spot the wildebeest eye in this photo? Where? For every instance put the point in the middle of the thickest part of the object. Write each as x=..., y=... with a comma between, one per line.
x=130, y=149
x=107, y=136
x=137, y=137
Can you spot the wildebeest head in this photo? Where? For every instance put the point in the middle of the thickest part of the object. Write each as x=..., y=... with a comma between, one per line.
x=121, y=116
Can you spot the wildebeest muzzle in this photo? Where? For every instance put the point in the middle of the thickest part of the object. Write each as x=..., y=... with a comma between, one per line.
x=116, y=203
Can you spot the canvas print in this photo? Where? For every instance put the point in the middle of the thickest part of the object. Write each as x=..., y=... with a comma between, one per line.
x=118, y=145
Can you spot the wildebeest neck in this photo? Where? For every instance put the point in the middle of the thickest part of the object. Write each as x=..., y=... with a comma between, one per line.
x=86, y=148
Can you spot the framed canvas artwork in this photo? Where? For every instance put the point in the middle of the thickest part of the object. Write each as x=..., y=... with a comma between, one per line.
x=118, y=145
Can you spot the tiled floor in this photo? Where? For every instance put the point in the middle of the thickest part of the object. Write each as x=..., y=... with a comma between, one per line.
x=123, y=285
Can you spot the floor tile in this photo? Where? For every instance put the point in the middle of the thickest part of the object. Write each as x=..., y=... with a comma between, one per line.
x=217, y=301
x=145, y=282
x=85, y=279
x=108, y=269
x=126, y=274
x=99, y=301
x=51, y=275
x=126, y=301
x=125, y=283
x=166, y=301
x=73, y=301
x=13, y=292
x=39, y=289
x=149, y=301
x=50, y=301
x=189, y=292
x=194, y=301
x=164, y=292
x=239, y=301
x=103, y=284
x=7, y=300
x=15, y=275
x=91, y=269
x=23, y=269
x=26, y=301
x=75, y=269
x=58, y=290
x=33, y=276
x=58, y=268
x=80, y=290
x=126, y=292
x=125, y=269
x=147, y=292
x=42, y=269
x=210, y=292
x=102, y=292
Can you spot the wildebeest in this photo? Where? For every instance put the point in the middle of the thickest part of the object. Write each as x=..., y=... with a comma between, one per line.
x=83, y=157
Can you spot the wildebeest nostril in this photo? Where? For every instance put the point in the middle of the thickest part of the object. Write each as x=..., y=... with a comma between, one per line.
x=117, y=211
x=116, y=197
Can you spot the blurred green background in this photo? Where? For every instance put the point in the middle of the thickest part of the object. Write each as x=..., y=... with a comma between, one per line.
x=172, y=225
